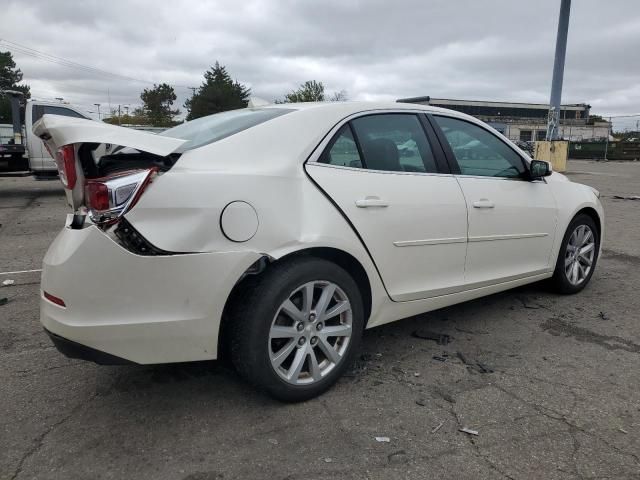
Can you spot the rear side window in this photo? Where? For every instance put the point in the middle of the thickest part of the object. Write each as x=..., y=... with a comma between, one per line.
x=394, y=142
x=479, y=152
x=343, y=150
x=212, y=128
x=40, y=110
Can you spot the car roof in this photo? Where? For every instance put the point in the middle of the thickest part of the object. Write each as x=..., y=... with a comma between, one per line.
x=353, y=107
x=357, y=106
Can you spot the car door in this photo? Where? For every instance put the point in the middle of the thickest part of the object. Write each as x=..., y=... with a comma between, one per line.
x=391, y=183
x=512, y=220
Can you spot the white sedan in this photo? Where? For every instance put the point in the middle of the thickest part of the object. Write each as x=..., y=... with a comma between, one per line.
x=278, y=234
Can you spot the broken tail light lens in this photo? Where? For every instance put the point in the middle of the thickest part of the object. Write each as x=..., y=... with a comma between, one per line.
x=109, y=198
x=66, y=163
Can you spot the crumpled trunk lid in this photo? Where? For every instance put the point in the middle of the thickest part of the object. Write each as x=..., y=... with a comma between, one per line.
x=95, y=140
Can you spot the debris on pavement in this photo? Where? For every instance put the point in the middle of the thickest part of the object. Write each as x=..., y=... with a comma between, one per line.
x=446, y=395
x=328, y=460
x=397, y=457
x=3, y=300
x=471, y=365
x=434, y=430
x=439, y=338
x=6, y=283
x=416, y=374
x=627, y=197
x=383, y=439
x=603, y=316
x=462, y=358
x=469, y=431
x=623, y=430
x=472, y=332
x=422, y=402
x=273, y=441
x=484, y=368
x=440, y=358
x=526, y=304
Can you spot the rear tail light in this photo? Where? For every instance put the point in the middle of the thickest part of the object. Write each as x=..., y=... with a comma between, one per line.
x=109, y=198
x=66, y=162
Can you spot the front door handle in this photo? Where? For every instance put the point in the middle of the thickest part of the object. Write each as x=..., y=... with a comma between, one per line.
x=483, y=203
x=369, y=202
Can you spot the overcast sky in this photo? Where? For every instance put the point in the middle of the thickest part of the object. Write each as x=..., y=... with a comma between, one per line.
x=486, y=50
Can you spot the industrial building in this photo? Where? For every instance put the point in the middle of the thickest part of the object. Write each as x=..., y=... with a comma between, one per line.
x=526, y=121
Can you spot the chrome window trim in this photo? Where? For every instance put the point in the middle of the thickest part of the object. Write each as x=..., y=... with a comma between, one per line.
x=388, y=172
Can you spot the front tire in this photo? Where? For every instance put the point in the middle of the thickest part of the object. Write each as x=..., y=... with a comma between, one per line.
x=295, y=329
x=577, y=257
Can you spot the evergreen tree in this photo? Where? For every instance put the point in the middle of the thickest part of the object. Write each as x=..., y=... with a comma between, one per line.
x=218, y=93
x=157, y=102
x=10, y=76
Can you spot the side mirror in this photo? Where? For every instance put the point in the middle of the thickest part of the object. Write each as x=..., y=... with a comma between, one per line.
x=539, y=169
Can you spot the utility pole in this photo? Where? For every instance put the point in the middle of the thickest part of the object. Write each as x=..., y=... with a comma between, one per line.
x=558, y=70
x=119, y=115
x=606, y=145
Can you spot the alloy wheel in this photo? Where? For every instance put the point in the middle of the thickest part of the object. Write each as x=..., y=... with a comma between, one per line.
x=579, y=254
x=310, y=332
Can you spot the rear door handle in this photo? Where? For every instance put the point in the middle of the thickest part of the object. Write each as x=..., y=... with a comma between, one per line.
x=369, y=202
x=483, y=203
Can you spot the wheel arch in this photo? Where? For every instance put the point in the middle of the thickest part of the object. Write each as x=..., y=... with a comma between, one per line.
x=591, y=212
x=340, y=257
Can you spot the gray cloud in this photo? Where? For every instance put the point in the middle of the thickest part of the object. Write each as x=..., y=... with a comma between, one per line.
x=374, y=49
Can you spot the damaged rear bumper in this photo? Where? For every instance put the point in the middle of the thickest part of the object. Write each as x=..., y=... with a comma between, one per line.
x=141, y=309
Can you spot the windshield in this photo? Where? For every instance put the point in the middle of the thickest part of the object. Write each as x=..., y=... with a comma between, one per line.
x=212, y=128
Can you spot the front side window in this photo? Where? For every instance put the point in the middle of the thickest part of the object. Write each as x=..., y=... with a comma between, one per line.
x=479, y=152
x=394, y=142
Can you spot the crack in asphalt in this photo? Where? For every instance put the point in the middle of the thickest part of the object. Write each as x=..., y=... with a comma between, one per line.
x=557, y=416
x=40, y=439
x=476, y=448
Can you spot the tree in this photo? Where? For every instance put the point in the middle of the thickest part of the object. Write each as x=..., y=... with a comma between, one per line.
x=136, y=117
x=309, y=91
x=340, y=96
x=312, y=91
x=10, y=76
x=218, y=93
x=157, y=102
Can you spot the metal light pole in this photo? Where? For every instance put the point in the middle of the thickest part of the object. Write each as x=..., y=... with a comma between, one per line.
x=98, y=105
x=558, y=70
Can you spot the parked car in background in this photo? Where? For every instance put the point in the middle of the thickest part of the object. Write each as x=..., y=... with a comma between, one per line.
x=278, y=234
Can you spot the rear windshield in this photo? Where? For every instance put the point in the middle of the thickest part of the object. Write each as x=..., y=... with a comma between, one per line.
x=212, y=128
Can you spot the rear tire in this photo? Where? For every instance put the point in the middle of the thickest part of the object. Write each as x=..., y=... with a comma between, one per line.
x=577, y=257
x=280, y=328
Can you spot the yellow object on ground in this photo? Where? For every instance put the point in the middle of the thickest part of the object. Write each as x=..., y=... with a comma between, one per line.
x=555, y=152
